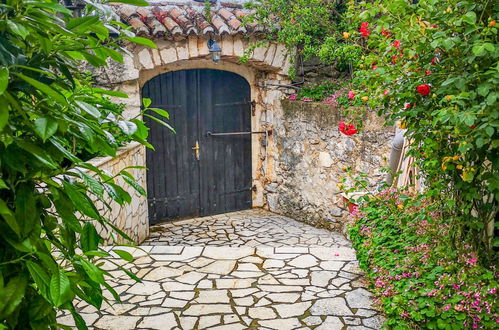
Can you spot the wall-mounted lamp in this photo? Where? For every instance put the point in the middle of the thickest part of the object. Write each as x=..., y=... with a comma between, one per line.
x=215, y=50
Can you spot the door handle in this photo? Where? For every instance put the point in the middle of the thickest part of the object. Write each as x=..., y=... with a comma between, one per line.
x=196, y=148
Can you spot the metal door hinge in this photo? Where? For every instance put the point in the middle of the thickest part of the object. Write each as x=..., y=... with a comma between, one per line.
x=253, y=108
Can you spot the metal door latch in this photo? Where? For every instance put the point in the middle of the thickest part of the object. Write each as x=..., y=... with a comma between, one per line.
x=196, y=148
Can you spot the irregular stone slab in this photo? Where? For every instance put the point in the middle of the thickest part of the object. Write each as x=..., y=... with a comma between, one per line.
x=290, y=310
x=197, y=310
x=273, y=263
x=162, y=273
x=261, y=313
x=233, y=326
x=247, y=301
x=330, y=306
x=166, y=321
x=332, y=265
x=222, y=253
x=247, y=267
x=268, y=279
x=220, y=267
x=283, y=297
x=281, y=323
x=295, y=281
x=208, y=321
x=190, y=278
x=175, y=286
x=146, y=288
x=183, y=295
x=188, y=322
x=374, y=322
x=242, y=292
x=303, y=261
x=211, y=297
x=234, y=283
x=312, y=320
x=359, y=298
x=121, y=322
x=322, y=278
x=174, y=303
x=331, y=323
x=167, y=249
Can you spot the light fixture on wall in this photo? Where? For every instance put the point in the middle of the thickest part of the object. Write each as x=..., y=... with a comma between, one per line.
x=215, y=50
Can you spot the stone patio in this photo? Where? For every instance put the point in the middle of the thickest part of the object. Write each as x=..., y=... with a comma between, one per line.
x=242, y=270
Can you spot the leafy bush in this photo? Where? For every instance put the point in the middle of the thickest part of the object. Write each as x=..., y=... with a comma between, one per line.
x=421, y=277
x=50, y=112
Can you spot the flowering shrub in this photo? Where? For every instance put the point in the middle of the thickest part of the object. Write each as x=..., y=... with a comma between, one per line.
x=422, y=278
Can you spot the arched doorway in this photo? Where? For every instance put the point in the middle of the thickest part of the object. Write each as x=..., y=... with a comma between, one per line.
x=203, y=169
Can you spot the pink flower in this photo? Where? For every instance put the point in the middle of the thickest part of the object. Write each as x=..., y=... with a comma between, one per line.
x=351, y=95
x=293, y=97
x=493, y=291
x=446, y=308
x=306, y=99
x=386, y=92
x=428, y=72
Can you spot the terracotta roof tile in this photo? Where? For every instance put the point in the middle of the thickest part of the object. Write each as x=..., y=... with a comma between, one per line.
x=173, y=20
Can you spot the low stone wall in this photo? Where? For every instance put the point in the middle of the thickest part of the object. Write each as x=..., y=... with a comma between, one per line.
x=311, y=156
x=130, y=218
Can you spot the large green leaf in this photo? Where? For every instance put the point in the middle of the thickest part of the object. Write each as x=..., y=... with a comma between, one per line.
x=45, y=127
x=89, y=238
x=60, y=289
x=81, y=202
x=43, y=88
x=12, y=295
x=142, y=41
x=42, y=279
x=4, y=81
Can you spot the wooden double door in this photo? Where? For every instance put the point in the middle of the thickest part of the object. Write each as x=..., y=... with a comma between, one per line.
x=205, y=167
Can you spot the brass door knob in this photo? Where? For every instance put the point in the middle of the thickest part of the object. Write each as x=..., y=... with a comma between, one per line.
x=196, y=148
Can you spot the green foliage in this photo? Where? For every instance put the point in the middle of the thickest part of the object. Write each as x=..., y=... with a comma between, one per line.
x=449, y=47
x=422, y=278
x=315, y=27
x=49, y=115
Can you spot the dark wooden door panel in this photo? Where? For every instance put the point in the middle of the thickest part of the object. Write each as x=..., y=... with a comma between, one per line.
x=199, y=101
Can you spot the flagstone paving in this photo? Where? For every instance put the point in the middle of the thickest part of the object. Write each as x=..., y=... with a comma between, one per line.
x=242, y=270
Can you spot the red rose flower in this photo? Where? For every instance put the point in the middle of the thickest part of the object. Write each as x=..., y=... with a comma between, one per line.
x=363, y=29
x=423, y=89
x=397, y=44
x=385, y=32
x=347, y=129
x=428, y=72
x=435, y=61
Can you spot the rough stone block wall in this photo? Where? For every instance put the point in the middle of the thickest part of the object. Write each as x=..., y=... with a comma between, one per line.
x=311, y=156
x=130, y=218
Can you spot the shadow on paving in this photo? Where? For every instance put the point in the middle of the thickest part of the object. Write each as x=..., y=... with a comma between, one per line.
x=242, y=270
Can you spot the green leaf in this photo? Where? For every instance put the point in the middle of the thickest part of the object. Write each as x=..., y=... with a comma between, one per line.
x=18, y=29
x=470, y=17
x=60, y=289
x=8, y=215
x=3, y=185
x=81, y=202
x=93, y=271
x=160, y=112
x=134, y=184
x=161, y=122
x=89, y=238
x=4, y=117
x=43, y=88
x=90, y=109
x=40, y=277
x=38, y=153
x=110, y=93
x=45, y=127
x=81, y=24
x=146, y=102
x=12, y=295
x=124, y=255
x=94, y=185
x=142, y=41
x=4, y=81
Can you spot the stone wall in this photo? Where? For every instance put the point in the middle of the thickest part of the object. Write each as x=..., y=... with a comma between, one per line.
x=130, y=218
x=311, y=156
